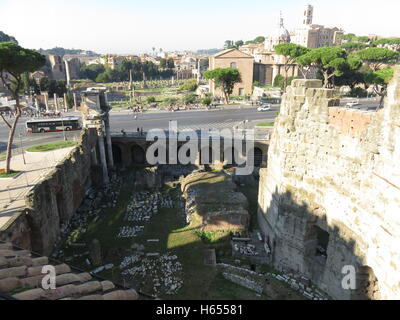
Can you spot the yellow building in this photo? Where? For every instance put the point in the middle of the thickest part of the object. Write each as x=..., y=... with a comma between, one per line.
x=233, y=58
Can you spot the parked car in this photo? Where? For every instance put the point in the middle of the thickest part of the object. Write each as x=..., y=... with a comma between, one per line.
x=264, y=107
x=352, y=103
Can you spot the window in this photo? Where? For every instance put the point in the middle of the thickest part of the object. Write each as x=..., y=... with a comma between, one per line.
x=241, y=91
x=233, y=65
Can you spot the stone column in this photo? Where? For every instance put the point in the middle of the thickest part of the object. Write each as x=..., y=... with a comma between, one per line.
x=65, y=102
x=67, y=72
x=275, y=72
x=108, y=140
x=75, y=102
x=46, y=101
x=37, y=105
x=103, y=159
x=55, y=102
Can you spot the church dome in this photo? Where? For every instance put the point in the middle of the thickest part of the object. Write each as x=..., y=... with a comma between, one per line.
x=279, y=35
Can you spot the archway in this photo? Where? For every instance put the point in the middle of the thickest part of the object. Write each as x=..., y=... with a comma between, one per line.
x=258, y=157
x=138, y=155
x=117, y=154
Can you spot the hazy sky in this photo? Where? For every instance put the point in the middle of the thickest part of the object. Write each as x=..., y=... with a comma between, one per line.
x=129, y=26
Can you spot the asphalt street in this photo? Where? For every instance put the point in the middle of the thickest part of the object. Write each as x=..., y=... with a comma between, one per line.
x=125, y=120
x=192, y=119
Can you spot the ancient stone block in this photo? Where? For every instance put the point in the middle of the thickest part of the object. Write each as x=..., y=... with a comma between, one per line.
x=307, y=83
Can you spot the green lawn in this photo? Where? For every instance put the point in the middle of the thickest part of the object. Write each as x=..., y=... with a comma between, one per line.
x=265, y=124
x=51, y=146
x=2, y=156
x=9, y=175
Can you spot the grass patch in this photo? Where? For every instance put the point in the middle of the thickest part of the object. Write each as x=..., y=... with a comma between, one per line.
x=251, y=193
x=10, y=174
x=3, y=156
x=265, y=124
x=51, y=146
x=211, y=237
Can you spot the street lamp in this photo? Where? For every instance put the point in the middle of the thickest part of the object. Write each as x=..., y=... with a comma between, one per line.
x=22, y=149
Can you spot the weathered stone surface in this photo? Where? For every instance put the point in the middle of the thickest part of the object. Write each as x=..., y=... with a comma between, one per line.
x=107, y=286
x=13, y=272
x=9, y=284
x=89, y=287
x=33, y=294
x=121, y=295
x=333, y=174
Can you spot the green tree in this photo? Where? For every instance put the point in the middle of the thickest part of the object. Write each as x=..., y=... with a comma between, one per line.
x=224, y=78
x=206, y=101
x=291, y=52
x=395, y=42
x=352, y=78
x=259, y=39
x=351, y=47
x=163, y=63
x=16, y=61
x=190, y=85
x=6, y=38
x=228, y=44
x=376, y=57
x=330, y=61
x=91, y=71
x=170, y=63
x=151, y=99
x=380, y=79
x=189, y=98
x=239, y=43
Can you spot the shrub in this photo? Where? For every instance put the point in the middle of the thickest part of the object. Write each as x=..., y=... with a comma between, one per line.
x=358, y=92
x=150, y=99
x=206, y=101
x=190, y=85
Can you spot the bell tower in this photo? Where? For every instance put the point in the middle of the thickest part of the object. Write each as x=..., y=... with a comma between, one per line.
x=308, y=15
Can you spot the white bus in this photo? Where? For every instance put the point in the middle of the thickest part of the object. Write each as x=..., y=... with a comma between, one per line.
x=52, y=125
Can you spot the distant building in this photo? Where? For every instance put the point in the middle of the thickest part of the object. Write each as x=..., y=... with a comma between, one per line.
x=313, y=35
x=234, y=58
x=72, y=69
x=57, y=67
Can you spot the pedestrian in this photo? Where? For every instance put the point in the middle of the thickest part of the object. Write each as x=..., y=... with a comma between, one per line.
x=141, y=131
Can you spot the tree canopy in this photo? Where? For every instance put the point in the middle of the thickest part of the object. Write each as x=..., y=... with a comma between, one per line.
x=16, y=61
x=354, y=46
x=376, y=57
x=291, y=52
x=330, y=61
x=6, y=38
x=225, y=78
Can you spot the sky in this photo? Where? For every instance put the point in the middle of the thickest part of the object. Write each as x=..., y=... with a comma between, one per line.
x=132, y=26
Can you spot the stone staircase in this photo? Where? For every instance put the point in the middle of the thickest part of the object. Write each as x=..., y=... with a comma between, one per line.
x=21, y=278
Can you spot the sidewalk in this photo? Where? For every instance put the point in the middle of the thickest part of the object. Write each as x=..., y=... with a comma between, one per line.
x=13, y=191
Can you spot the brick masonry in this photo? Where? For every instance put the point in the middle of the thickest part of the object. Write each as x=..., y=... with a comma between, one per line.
x=334, y=174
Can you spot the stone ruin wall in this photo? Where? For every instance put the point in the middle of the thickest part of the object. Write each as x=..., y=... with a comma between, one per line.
x=336, y=170
x=52, y=202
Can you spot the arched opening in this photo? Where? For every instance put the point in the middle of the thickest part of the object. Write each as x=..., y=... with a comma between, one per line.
x=138, y=155
x=258, y=157
x=117, y=154
x=367, y=287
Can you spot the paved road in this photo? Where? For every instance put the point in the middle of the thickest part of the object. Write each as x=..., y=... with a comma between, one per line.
x=199, y=119
x=124, y=120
